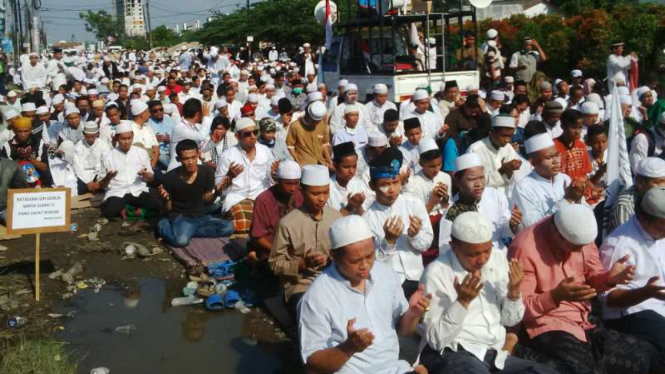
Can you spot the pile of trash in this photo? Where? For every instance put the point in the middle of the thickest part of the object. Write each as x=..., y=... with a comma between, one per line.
x=74, y=285
x=215, y=292
x=131, y=250
x=95, y=229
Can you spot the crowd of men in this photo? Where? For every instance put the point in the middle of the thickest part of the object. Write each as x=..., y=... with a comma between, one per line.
x=473, y=218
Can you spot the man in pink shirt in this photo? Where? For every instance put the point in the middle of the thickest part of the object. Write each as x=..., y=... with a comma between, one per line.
x=562, y=274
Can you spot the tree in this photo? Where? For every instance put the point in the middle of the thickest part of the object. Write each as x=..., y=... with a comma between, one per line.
x=103, y=24
x=136, y=42
x=162, y=36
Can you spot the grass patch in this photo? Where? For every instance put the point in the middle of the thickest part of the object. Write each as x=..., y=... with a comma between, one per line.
x=39, y=356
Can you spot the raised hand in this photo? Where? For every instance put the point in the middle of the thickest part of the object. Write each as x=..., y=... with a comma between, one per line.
x=393, y=229
x=235, y=170
x=357, y=340
x=515, y=219
x=164, y=194
x=515, y=276
x=356, y=200
x=567, y=290
x=419, y=303
x=415, y=224
x=469, y=289
x=620, y=273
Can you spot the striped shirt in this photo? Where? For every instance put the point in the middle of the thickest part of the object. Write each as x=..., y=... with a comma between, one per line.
x=623, y=208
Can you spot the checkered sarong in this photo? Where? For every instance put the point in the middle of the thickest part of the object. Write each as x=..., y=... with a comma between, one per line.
x=241, y=215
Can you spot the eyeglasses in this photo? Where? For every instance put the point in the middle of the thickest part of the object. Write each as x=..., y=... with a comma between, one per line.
x=247, y=134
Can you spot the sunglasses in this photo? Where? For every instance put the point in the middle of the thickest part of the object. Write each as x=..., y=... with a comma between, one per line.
x=247, y=134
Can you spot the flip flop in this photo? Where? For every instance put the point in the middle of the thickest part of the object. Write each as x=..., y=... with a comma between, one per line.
x=221, y=269
x=231, y=298
x=214, y=302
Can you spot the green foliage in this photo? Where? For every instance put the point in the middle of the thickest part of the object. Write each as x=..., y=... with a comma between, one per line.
x=102, y=24
x=162, y=36
x=287, y=22
x=583, y=40
x=42, y=355
x=136, y=42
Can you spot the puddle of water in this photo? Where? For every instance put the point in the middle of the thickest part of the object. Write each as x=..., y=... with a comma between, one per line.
x=167, y=339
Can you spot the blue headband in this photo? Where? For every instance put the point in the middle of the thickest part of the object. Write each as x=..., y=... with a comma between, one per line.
x=382, y=172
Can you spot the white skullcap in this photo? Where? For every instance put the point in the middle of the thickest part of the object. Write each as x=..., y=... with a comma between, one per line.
x=576, y=73
x=353, y=108
x=651, y=167
x=595, y=98
x=626, y=100
x=654, y=202
x=28, y=107
x=497, y=96
x=72, y=110
x=509, y=79
x=342, y=83
x=313, y=96
x=69, y=105
x=252, y=98
x=93, y=91
x=11, y=113
x=623, y=91
x=123, y=127
x=619, y=77
x=317, y=110
x=168, y=108
x=503, y=121
x=42, y=110
x=312, y=87
x=491, y=34
x=419, y=95
x=289, y=170
x=377, y=139
x=244, y=72
x=491, y=43
x=138, y=107
x=90, y=127
x=467, y=161
x=380, y=89
x=274, y=101
x=184, y=48
x=641, y=91
x=67, y=147
x=350, y=87
x=472, y=87
x=315, y=176
x=12, y=94
x=472, y=228
x=538, y=142
x=306, y=45
x=589, y=107
x=348, y=230
x=576, y=223
x=431, y=41
x=57, y=99
x=220, y=104
x=427, y=145
x=244, y=123
x=161, y=89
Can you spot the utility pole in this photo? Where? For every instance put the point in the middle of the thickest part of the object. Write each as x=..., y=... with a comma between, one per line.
x=146, y=15
x=16, y=7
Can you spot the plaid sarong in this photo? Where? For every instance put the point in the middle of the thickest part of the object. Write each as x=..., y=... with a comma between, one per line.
x=241, y=215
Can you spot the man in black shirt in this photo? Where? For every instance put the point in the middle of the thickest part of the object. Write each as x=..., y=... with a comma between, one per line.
x=187, y=191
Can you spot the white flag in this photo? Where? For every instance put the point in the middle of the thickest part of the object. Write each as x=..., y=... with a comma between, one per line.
x=619, y=175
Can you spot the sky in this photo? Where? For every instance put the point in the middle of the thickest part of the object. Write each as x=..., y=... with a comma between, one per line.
x=61, y=17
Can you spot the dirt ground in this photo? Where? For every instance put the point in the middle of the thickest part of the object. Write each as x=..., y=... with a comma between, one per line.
x=100, y=259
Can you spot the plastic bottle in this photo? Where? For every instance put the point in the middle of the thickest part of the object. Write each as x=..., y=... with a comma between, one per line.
x=188, y=300
x=16, y=322
x=127, y=329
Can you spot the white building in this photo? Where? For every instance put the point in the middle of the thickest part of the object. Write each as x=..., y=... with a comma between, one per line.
x=132, y=13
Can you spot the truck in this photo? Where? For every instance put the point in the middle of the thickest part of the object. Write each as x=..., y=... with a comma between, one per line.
x=380, y=47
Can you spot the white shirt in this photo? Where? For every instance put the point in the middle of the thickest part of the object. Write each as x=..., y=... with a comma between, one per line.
x=411, y=156
x=144, y=135
x=616, y=64
x=339, y=196
x=184, y=130
x=494, y=206
x=480, y=327
x=421, y=188
x=89, y=160
x=405, y=255
x=33, y=76
x=429, y=123
x=128, y=165
x=357, y=135
x=253, y=180
x=554, y=131
x=648, y=256
x=337, y=121
x=329, y=304
x=538, y=197
x=375, y=111
x=639, y=148
x=234, y=109
x=492, y=160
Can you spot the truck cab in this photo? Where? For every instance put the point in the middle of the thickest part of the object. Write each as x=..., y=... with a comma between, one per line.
x=402, y=51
